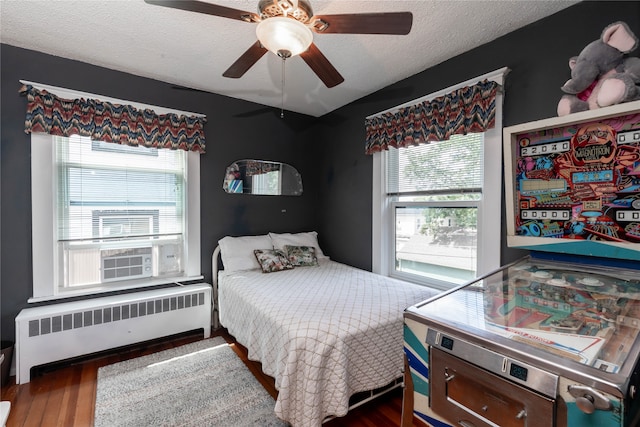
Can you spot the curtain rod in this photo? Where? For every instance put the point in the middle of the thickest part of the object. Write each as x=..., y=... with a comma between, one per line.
x=74, y=94
x=497, y=76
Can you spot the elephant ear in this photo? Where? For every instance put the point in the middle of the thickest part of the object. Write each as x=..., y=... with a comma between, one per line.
x=572, y=62
x=620, y=36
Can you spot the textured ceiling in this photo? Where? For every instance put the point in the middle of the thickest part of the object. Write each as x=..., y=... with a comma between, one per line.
x=193, y=50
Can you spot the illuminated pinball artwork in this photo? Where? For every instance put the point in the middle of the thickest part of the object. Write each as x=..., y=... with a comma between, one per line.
x=577, y=181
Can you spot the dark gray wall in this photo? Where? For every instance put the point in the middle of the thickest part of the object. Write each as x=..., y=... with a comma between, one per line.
x=328, y=152
x=235, y=129
x=537, y=56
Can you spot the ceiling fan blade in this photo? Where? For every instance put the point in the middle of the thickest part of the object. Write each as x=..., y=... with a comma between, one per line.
x=258, y=112
x=207, y=8
x=245, y=61
x=321, y=66
x=364, y=23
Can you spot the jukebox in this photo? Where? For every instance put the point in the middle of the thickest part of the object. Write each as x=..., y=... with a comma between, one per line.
x=552, y=339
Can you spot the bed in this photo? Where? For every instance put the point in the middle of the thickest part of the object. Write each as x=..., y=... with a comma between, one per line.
x=323, y=330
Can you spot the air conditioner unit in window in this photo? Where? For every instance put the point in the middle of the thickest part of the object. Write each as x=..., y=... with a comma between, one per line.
x=124, y=264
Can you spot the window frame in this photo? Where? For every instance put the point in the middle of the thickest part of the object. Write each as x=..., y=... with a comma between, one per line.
x=43, y=200
x=489, y=206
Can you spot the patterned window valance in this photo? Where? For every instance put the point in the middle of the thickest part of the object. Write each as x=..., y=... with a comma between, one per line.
x=104, y=121
x=468, y=109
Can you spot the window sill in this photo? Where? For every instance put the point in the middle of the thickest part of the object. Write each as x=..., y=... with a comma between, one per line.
x=425, y=281
x=113, y=287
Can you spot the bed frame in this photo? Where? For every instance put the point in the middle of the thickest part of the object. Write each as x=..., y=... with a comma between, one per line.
x=215, y=263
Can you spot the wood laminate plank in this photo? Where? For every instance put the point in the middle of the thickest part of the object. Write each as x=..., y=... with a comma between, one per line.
x=57, y=404
x=87, y=392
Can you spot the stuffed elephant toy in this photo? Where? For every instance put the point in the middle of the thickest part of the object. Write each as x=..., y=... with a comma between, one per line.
x=602, y=74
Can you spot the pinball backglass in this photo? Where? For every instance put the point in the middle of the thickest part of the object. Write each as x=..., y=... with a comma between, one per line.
x=573, y=183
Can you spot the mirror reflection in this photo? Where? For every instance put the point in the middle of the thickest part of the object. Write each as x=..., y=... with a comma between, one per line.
x=263, y=178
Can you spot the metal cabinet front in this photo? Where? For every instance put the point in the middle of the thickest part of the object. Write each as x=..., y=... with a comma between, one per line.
x=477, y=398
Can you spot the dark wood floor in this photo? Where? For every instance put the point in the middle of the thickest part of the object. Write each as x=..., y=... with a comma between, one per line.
x=64, y=394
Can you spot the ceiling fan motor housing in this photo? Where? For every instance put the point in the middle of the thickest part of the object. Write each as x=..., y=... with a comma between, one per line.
x=270, y=8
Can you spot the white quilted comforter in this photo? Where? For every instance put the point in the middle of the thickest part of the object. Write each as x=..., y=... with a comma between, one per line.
x=324, y=333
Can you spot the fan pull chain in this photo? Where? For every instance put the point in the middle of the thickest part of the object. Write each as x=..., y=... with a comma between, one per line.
x=282, y=90
x=284, y=54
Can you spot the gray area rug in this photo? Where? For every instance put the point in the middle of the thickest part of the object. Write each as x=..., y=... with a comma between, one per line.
x=200, y=384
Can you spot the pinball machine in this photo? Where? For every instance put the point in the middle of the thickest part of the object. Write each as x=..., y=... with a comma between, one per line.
x=551, y=339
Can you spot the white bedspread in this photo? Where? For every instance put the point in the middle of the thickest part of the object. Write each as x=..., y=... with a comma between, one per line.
x=324, y=333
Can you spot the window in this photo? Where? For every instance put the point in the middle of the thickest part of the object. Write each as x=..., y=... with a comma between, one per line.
x=266, y=183
x=437, y=207
x=109, y=216
x=434, y=191
x=125, y=222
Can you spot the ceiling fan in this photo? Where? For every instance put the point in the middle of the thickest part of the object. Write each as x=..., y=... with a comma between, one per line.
x=286, y=27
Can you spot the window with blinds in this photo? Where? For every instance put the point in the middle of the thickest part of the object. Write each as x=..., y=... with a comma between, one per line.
x=434, y=192
x=119, y=211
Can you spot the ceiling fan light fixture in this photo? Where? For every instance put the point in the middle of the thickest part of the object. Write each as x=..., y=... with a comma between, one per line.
x=284, y=34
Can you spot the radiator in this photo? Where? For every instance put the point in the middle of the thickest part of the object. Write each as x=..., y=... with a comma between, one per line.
x=60, y=331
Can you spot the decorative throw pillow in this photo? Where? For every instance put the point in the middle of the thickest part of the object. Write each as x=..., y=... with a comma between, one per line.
x=303, y=256
x=272, y=260
x=298, y=239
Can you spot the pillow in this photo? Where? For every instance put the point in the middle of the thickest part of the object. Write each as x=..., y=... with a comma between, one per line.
x=302, y=256
x=237, y=252
x=272, y=260
x=298, y=239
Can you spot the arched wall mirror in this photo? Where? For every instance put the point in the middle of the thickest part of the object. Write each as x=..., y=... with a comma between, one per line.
x=262, y=177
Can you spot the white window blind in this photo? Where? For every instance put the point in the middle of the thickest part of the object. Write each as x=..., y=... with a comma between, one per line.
x=453, y=166
x=109, y=192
